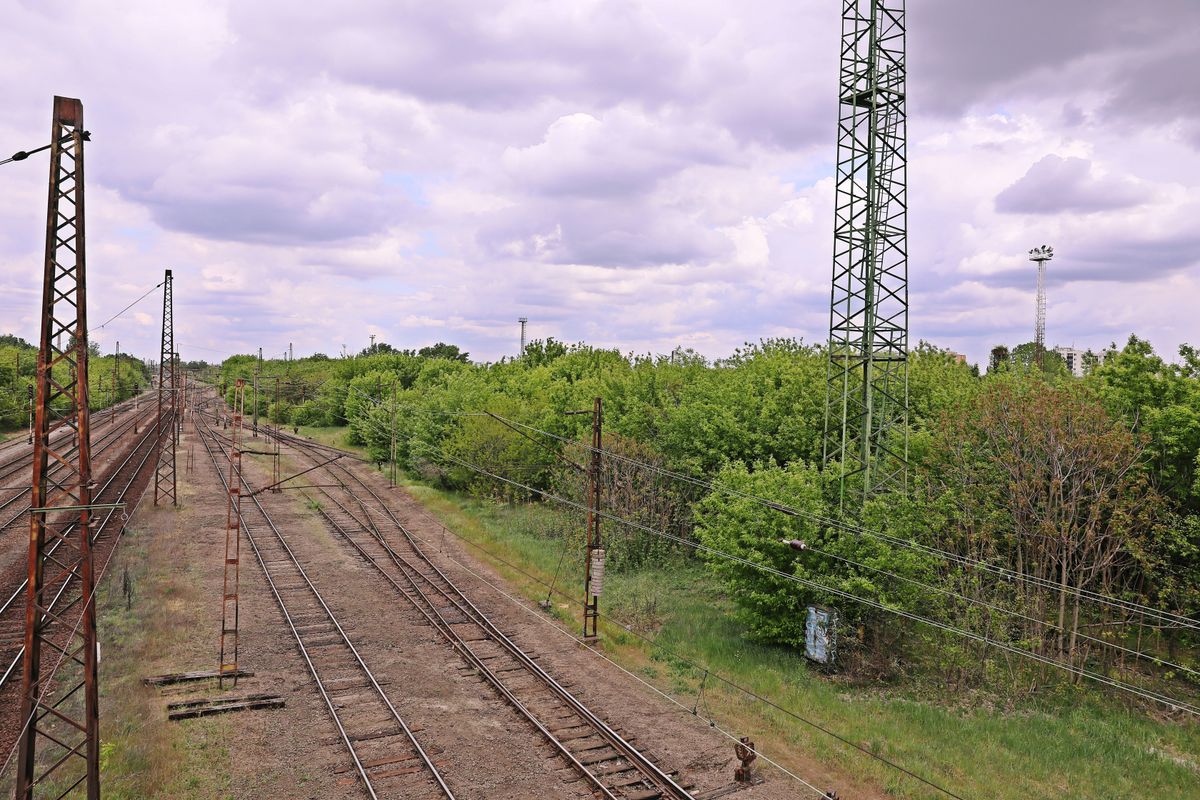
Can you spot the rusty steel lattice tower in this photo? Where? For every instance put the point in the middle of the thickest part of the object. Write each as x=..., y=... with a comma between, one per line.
x=64, y=724
x=866, y=413
x=164, y=473
x=233, y=545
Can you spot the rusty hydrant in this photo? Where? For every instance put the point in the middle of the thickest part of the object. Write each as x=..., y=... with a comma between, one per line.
x=744, y=750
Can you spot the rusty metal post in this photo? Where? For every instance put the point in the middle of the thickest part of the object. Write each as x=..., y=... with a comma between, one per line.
x=233, y=545
x=116, y=395
x=257, y=369
x=275, y=466
x=393, y=474
x=71, y=379
x=593, y=583
x=164, y=473
x=179, y=393
x=68, y=732
x=746, y=755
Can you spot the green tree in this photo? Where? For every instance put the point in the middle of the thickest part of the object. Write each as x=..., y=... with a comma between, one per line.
x=449, y=352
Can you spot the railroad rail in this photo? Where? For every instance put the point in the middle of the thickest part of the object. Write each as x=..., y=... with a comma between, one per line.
x=126, y=479
x=15, y=469
x=114, y=490
x=614, y=767
x=382, y=745
x=24, y=451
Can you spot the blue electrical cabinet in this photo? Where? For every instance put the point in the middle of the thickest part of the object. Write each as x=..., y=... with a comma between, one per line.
x=820, y=635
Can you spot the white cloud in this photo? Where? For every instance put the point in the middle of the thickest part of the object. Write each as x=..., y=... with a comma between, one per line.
x=637, y=174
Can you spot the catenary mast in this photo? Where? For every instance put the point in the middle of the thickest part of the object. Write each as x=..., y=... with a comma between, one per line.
x=866, y=415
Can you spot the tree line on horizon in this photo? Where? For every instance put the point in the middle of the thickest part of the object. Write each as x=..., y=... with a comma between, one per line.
x=18, y=374
x=1080, y=487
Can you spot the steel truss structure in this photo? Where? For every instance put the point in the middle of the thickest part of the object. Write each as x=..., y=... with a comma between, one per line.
x=164, y=472
x=233, y=526
x=60, y=706
x=1039, y=256
x=866, y=414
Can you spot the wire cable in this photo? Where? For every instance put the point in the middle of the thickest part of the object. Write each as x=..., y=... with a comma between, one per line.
x=675, y=654
x=943, y=591
x=1171, y=619
x=126, y=308
x=712, y=722
x=1148, y=694
x=1178, y=620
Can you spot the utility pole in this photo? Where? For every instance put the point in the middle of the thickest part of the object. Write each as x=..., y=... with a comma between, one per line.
x=257, y=369
x=523, y=321
x=393, y=450
x=593, y=564
x=164, y=472
x=233, y=545
x=1039, y=256
x=116, y=395
x=180, y=402
x=67, y=728
x=866, y=407
x=372, y=350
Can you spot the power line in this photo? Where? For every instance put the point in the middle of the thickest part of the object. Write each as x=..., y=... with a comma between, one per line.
x=126, y=308
x=1002, y=610
x=514, y=425
x=962, y=561
x=1170, y=619
x=712, y=722
x=1177, y=620
x=674, y=654
x=928, y=587
x=981, y=638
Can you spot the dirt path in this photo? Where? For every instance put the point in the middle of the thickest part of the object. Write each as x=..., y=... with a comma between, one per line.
x=176, y=555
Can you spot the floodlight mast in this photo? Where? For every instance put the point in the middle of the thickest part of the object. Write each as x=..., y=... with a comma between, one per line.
x=1040, y=255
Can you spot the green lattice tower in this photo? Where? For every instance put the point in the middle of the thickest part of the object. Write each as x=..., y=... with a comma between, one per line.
x=866, y=414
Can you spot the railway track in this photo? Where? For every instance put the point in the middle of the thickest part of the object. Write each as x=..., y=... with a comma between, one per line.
x=124, y=484
x=385, y=751
x=17, y=452
x=16, y=470
x=612, y=764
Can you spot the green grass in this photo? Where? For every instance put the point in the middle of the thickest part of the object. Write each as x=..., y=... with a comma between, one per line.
x=333, y=435
x=1077, y=744
x=142, y=754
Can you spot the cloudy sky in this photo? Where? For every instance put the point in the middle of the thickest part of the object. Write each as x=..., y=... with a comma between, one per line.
x=633, y=174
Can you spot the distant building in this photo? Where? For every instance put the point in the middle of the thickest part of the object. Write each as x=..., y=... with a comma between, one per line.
x=1073, y=358
x=959, y=358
